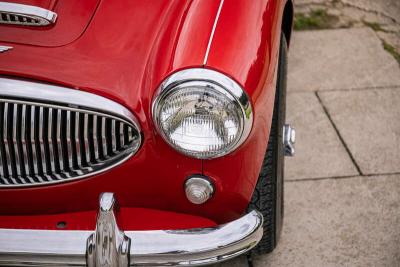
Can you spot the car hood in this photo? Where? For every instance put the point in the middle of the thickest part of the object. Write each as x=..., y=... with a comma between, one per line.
x=122, y=51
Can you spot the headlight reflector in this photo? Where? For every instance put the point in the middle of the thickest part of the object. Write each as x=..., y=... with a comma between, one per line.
x=202, y=113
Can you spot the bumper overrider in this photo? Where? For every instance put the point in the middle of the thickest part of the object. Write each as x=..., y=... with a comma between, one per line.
x=110, y=246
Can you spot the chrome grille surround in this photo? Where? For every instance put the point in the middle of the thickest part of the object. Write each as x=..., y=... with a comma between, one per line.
x=25, y=15
x=52, y=134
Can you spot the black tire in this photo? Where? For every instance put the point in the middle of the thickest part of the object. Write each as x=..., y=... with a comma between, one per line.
x=268, y=194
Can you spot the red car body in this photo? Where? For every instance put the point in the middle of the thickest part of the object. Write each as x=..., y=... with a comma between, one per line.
x=122, y=50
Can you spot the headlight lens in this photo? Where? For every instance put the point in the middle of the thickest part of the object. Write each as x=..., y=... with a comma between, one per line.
x=202, y=113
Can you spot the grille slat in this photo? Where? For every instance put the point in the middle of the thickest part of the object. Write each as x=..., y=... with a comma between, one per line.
x=3, y=162
x=40, y=128
x=86, y=138
x=35, y=155
x=121, y=135
x=2, y=174
x=78, y=143
x=103, y=137
x=44, y=143
x=24, y=144
x=6, y=143
x=60, y=156
x=113, y=137
x=95, y=139
x=15, y=149
x=69, y=142
x=50, y=140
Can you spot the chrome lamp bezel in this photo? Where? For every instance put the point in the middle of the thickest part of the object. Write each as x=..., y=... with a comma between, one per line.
x=218, y=82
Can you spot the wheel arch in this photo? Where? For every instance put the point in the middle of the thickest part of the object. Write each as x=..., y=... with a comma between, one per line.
x=287, y=20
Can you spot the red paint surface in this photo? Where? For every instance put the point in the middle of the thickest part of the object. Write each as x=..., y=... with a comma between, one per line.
x=124, y=54
x=128, y=219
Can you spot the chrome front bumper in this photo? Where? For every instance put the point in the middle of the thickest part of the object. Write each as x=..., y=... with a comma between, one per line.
x=109, y=246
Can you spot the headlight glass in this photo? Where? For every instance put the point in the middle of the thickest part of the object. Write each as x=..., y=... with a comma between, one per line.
x=202, y=113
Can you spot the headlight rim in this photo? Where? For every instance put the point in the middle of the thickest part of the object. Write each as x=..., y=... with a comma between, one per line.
x=224, y=84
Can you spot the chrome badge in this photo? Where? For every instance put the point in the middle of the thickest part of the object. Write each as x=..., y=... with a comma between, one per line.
x=5, y=48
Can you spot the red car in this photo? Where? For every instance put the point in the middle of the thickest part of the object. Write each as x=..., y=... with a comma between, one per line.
x=175, y=109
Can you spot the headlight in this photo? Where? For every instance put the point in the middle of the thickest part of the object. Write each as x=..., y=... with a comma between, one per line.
x=202, y=113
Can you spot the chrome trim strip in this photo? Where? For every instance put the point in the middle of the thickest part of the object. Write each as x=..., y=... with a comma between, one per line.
x=109, y=246
x=213, y=32
x=38, y=15
x=70, y=98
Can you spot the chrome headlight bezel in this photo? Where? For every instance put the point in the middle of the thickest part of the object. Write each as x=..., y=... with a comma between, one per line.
x=215, y=81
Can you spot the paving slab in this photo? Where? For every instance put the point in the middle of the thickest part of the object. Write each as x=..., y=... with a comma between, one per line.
x=389, y=8
x=308, y=2
x=339, y=222
x=237, y=262
x=369, y=122
x=340, y=59
x=319, y=151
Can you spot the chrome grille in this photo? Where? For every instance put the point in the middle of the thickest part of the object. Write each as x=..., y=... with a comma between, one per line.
x=44, y=143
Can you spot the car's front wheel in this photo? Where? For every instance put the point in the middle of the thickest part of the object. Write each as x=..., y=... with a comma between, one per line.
x=268, y=194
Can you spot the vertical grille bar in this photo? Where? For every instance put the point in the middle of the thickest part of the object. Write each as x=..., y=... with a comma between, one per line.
x=86, y=138
x=68, y=139
x=6, y=143
x=45, y=166
x=35, y=152
x=113, y=137
x=3, y=164
x=15, y=142
x=78, y=140
x=24, y=143
x=103, y=137
x=95, y=139
x=50, y=140
x=41, y=141
x=121, y=135
x=130, y=135
x=59, y=145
